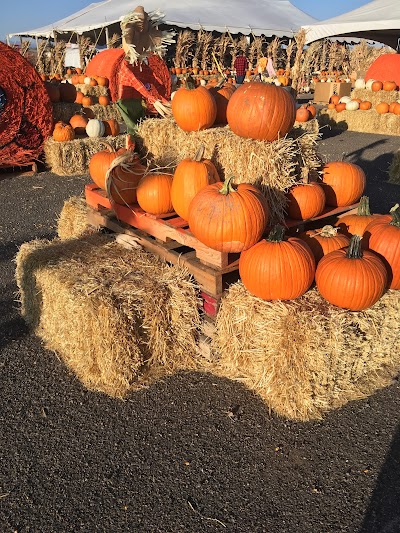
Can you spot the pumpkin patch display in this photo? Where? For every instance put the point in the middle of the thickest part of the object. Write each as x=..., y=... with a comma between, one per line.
x=277, y=268
x=343, y=183
x=261, y=111
x=351, y=278
x=154, y=194
x=228, y=218
x=194, y=109
x=323, y=241
x=190, y=176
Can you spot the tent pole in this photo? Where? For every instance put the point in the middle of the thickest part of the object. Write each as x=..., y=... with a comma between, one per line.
x=8, y=39
x=107, y=37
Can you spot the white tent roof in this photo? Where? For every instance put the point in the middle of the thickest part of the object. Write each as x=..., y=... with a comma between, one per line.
x=267, y=17
x=378, y=20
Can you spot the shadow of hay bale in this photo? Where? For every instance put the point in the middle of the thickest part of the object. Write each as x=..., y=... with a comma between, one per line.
x=305, y=357
x=394, y=169
x=119, y=318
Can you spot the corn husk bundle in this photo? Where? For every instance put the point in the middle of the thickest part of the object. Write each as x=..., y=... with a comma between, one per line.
x=184, y=42
x=363, y=121
x=73, y=157
x=274, y=167
x=305, y=357
x=118, y=318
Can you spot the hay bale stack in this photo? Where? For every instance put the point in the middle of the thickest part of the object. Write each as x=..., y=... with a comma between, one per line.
x=104, y=112
x=72, y=222
x=98, y=90
x=118, y=318
x=394, y=169
x=375, y=97
x=273, y=166
x=73, y=157
x=64, y=111
x=305, y=357
x=311, y=126
x=363, y=121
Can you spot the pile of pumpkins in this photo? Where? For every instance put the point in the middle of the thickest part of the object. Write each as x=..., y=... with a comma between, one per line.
x=353, y=104
x=352, y=264
x=84, y=124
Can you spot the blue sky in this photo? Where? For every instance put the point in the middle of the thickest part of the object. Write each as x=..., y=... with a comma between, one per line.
x=32, y=14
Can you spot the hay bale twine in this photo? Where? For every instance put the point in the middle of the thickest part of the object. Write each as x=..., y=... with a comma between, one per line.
x=305, y=357
x=72, y=222
x=118, y=318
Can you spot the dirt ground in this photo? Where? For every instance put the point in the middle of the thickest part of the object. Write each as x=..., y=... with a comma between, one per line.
x=192, y=453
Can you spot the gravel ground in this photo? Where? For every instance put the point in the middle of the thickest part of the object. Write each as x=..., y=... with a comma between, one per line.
x=193, y=453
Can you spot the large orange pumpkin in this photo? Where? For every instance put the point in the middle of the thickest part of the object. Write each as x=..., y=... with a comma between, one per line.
x=261, y=111
x=228, y=218
x=190, y=176
x=277, y=268
x=323, y=241
x=222, y=95
x=194, y=109
x=100, y=163
x=123, y=177
x=382, y=235
x=154, y=193
x=305, y=200
x=343, y=183
x=355, y=224
x=350, y=278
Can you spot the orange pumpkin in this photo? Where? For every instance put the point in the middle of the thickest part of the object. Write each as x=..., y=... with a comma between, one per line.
x=350, y=278
x=63, y=132
x=194, y=109
x=343, y=183
x=302, y=114
x=277, y=268
x=87, y=100
x=312, y=110
x=396, y=108
x=123, y=177
x=382, y=108
x=305, y=200
x=365, y=105
x=78, y=97
x=79, y=123
x=377, y=86
x=340, y=107
x=389, y=86
x=111, y=127
x=75, y=79
x=154, y=193
x=261, y=111
x=100, y=163
x=323, y=241
x=228, y=218
x=222, y=96
x=355, y=224
x=104, y=100
x=102, y=81
x=93, y=82
x=382, y=236
x=191, y=175
x=331, y=106
x=391, y=107
x=334, y=99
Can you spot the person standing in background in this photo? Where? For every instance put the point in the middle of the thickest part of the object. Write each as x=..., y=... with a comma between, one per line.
x=240, y=65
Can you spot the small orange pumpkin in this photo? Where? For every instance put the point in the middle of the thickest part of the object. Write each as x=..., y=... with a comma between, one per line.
x=382, y=108
x=377, y=86
x=63, y=132
x=87, y=100
x=154, y=193
x=340, y=107
x=100, y=163
x=104, y=100
x=305, y=200
x=343, y=183
x=302, y=114
x=111, y=127
x=365, y=105
x=334, y=99
x=323, y=241
x=355, y=224
x=389, y=86
x=79, y=123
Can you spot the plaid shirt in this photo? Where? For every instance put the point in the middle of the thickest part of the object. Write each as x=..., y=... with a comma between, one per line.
x=241, y=65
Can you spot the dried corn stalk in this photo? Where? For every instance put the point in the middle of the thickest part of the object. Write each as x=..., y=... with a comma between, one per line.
x=114, y=41
x=234, y=46
x=206, y=50
x=289, y=53
x=197, y=49
x=300, y=39
x=273, y=50
x=222, y=48
x=324, y=55
x=85, y=47
x=363, y=55
x=184, y=43
x=256, y=51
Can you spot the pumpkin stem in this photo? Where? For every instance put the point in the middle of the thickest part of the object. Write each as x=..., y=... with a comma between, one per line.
x=277, y=234
x=354, y=250
x=227, y=187
x=363, y=208
x=395, y=212
x=199, y=154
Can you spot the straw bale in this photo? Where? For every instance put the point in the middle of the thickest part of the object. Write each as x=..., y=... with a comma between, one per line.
x=394, y=169
x=72, y=222
x=363, y=121
x=98, y=90
x=104, y=112
x=65, y=110
x=72, y=157
x=375, y=97
x=305, y=357
x=118, y=318
x=273, y=166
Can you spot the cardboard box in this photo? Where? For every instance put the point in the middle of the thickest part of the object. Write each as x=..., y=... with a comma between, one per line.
x=324, y=90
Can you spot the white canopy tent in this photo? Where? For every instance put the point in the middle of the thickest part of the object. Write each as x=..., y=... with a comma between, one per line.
x=378, y=20
x=258, y=17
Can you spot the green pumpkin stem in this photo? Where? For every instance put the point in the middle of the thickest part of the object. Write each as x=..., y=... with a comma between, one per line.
x=277, y=234
x=227, y=186
x=354, y=250
x=395, y=212
x=363, y=208
x=199, y=154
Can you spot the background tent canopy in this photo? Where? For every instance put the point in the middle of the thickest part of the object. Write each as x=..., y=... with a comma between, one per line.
x=260, y=17
x=378, y=21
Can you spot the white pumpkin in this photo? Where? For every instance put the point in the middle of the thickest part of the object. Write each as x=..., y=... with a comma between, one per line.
x=203, y=83
x=368, y=84
x=87, y=80
x=277, y=83
x=172, y=95
x=323, y=80
x=353, y=105
x=95, y=128
x=306, y=89
x=345, y=99
x=329, y=80
x=359, y=83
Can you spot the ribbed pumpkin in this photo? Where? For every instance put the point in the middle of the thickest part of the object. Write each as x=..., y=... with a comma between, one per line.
x=222, y=95
x=365, y=105
x=261, y=111
x=95, y=128
x=100, y=163
x=194, y=109
x=351, y=278
x=302, y=114
x=111, y=127
x=382, y=235
x=191, y=175
x=154, y=193
x=323, y=241
x=104, y=100
x=228, y=218
x=382, y=108
x=343, y=183
x=277, y=268
x=79, y=123
x=123, y=177
x=305, y=200
x=63, y=132
x=355, y=224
